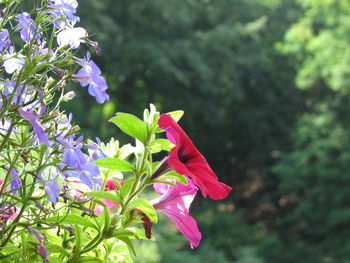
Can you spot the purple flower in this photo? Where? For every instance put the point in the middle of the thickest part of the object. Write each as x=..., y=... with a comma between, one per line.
x=62, y=10
x=36, y=233
x=27, y=27
x=75, y=158
x=21, y=96
x=90, y=74
x=5, y=42
x=97, y=153
x=15, y=184
x=175, y=203
x=63, y=128
x=42, y=250
x=50, y=186
x=87, y=174
x=32, y=117
x=42, y=54
x=72, y=37
x=5, y=125
x=52, y=190
x=80, y=166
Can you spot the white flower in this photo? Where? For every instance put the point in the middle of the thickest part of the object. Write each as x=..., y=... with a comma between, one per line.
x=12, y=62
x=72, y=37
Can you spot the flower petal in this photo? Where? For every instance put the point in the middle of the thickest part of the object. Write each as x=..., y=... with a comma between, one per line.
x=187, y=160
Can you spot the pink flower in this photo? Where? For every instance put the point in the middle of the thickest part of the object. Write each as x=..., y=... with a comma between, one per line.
x=110, y=185
x=175, y=203
x=185, y=159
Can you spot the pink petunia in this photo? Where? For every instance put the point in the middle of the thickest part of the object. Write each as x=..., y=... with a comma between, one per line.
x=185, y=159
x=175, y=203
x=110, y=185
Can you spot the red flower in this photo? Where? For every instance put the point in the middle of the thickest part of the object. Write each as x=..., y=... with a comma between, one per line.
x=185, y=159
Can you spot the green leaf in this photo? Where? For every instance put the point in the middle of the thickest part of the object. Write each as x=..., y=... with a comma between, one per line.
x=131, y=125
x=163, y=182
x=78, y=238
x=54, y=259
x=126, y=188
x=174, y=175
x=145, y=207
x=53, y=248
x=176, y=115
x=88, y=259
x=71, y=219
x=115, y=164
x=161, y=144
x=105, y=196
x=128, y=242
x=124, y=233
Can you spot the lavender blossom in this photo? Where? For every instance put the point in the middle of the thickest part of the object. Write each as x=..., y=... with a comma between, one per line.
x=19, y=95
x=32, y=117
x=27, y=27
x=96, y=152
x=5, y=41
x=50, y=185
x=80, y=166
x=90, y=74
x=63, y=11
x=15, y=182
x=42, y=54
x=42, y=250
x=5, y=125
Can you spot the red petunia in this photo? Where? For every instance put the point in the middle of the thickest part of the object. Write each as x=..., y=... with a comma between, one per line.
x=185, y=159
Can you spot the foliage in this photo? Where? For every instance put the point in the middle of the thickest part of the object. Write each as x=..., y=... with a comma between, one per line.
x=266, y=86
x=63, y=199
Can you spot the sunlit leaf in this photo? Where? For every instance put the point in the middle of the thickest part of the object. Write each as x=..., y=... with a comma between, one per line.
x=71, y=219
x=131, y=125
x=115, y=164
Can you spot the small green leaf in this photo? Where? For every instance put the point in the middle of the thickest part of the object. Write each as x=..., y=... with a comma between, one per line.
x=126, y=188
x=124, y=233
x=176, y=115
x=105, y=196
x=128, y=242
x=161, y=144
x=78, y=238
x=71, y=219
x=174, y=175
x=163, y=182
x=115, y=164
x=131, y=125
x=145, y=207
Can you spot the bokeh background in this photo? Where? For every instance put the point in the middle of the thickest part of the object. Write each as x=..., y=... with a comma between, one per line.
x=265, y=88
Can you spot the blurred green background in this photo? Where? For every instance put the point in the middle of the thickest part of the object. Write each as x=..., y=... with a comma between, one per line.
x=265, y=87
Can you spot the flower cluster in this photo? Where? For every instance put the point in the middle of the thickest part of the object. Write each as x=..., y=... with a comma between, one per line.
x=60, y=195
x=40, y=151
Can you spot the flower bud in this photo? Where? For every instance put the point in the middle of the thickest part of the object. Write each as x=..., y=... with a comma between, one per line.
x=73, y=130
x=69, y=96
